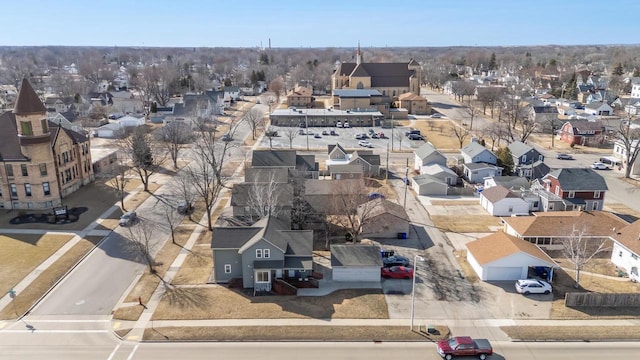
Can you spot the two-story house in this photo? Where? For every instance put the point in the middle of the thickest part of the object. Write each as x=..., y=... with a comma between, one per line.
x=474, y=152
x=427, y=155
x=582, y=132
x=262, y=254
x=572, y=189
x=528, y=162
x=545, y=117
x=300, y=97
x=345, y=164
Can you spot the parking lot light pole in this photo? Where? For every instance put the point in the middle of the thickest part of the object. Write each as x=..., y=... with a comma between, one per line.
x=413, y=286
x=306, y=128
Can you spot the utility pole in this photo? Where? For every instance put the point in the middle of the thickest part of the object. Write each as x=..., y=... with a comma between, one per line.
x=306, y=127
x=392, y=126
x=406, y=179
x=386, y=179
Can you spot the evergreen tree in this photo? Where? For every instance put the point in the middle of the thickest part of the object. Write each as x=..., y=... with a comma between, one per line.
x=505, y=159
x=492, y=62
x=618, y=70
x=571, y=92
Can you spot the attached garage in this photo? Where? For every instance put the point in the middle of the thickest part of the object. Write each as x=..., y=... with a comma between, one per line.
x=429, y=185
x=504, y=257
x=356, y=263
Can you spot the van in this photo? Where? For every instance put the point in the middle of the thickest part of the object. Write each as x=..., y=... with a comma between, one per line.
x=611, y=161
x=412, y=131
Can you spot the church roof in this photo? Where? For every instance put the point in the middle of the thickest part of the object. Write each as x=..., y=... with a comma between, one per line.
x=28, y=101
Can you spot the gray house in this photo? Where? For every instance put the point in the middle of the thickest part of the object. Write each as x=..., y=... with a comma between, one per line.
x=429, y=185
x=524, y=154
x=476, y=153
x=477, y=172
x=261, y=253
x=305, y=164
x=428, y=155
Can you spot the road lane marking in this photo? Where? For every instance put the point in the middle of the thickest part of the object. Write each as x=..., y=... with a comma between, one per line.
x=56, y=331
x=116, y=325
x=133, y=352
x=2, y=324
x=113, y=353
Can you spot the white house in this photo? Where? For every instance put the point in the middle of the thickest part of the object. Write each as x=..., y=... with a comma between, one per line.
x=474, y=152
x=476, y=172
x=233, y=92
x=500, y=201
x=128, y=121
x=626, y=250
x=598, y=108
x=620, y=152
x=429, y=185
x=511, y=262
x=109, y=131
x=441, y=172
x=427, y=155
x=356, y=263
x=635, y=87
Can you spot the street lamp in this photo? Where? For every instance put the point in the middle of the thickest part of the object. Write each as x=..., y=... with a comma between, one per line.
x=413, y=286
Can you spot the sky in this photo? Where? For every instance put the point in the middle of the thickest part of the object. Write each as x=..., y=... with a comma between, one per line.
x=322, y=23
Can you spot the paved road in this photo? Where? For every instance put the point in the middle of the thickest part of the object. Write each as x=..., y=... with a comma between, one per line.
x=49, y=346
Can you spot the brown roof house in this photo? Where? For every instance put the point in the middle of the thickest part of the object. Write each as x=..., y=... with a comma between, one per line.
x=300, y=97
x=500, y=256
x=43, y=161
x=500, y=201
x=550, y=229
x=383, y=219
x=415, y=104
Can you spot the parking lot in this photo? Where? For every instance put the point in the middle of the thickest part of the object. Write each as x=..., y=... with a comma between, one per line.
x=345, y=136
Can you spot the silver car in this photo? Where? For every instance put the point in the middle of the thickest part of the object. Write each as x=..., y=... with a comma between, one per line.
x=533, y=286
x=127, y=218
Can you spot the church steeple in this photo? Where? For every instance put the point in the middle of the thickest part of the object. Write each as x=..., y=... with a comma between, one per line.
x=30, y=114
x=358, y=55
x=28, y=102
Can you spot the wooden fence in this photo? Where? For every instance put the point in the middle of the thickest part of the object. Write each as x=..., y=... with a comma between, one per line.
x=601, y=300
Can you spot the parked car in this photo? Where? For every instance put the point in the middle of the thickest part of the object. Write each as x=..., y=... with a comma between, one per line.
x=374, y=136
x=533, y=286
x=395, y=260
x=564, y=157
x=300, y=132
x=599, y=166
x=412, y=131
x=333, y=133
x=371, y=131
x=302, y=125
x=365, y=143
x=317, y=136
x=325, y=132
x=271, y=133
x=227, y=137
x=346, y=124
x=464, y=346
x=339, y=124
x=416, y=137
x=381, y=135
x=397, y=272
x=127, y=218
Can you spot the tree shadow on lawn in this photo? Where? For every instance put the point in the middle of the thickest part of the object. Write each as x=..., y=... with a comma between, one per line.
x=72, y=216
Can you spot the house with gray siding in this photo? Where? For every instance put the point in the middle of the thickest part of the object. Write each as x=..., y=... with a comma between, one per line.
x=262, y=253
x=427, y=155
x=474, y=152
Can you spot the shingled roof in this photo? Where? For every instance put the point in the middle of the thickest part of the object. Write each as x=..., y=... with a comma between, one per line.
x=558, y=223
x=629, y=237
x=500, y=245
x=9, y=143
x=382, y=74
x=496, y=193
x=579, y=179
x=28, y=102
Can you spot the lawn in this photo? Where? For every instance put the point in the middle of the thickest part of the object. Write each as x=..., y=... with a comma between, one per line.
x=217, y=302
x=569, y=333
x=465, y=224
x=295, y=333
x=25, y=299
x=22, y=253
x=438, y=133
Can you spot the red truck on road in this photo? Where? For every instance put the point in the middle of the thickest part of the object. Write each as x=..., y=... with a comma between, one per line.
x=464, y=346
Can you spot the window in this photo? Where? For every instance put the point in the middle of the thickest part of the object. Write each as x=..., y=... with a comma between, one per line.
x=266, y=253
x=8, y=168
x=557, y=190
x=634, y=256
x=45, y=125
x=27, y=189
x=29, y=205
x=596, y=194
x=595, y=205
x=258, y=253
x=262, y=276
x=227, y=268
x=43, y=169
x=14, y=190
x=572, y=194
x=620, y=254
x=46, y=189
x=26, y=128
x=23, y=168
x=510, y=209
x=524, y=158
x=535, y=204
x=48, y=204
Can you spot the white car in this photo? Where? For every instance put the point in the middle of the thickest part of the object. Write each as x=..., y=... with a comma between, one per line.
x=339, y=124
x=533, y=286
x=599, y=166
x=365, y=143
x=346, y=124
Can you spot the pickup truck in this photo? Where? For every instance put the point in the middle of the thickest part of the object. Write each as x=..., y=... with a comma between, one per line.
x=464, y=346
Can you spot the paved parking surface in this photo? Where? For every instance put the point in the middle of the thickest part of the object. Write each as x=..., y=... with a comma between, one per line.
x=344, y=136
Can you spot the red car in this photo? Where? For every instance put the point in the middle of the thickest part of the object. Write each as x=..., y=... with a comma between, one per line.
x=397, y=272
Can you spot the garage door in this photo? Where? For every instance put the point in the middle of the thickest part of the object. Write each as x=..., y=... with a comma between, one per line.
x=356, y=274
x=504, y=273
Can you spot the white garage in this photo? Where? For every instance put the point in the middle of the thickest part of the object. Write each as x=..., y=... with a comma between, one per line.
x=504, y=257
x=356, y=263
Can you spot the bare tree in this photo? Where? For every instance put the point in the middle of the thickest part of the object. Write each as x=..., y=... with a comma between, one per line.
x=118, y=180
x=255, y=119
x=206, y=171
x=579, y=248
x=145, y=154
x=265, y=198
x=159, y=82
x=469, y=113
x=277, y=87
x=171, y=216
x=291, y=133
x=270, y=133
x=350, y=207
x=140, y=236
x=175, y=136
x=183, y=188
x=398, y=136
x=460, y=133
x=629, y=139
x=495, y=132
